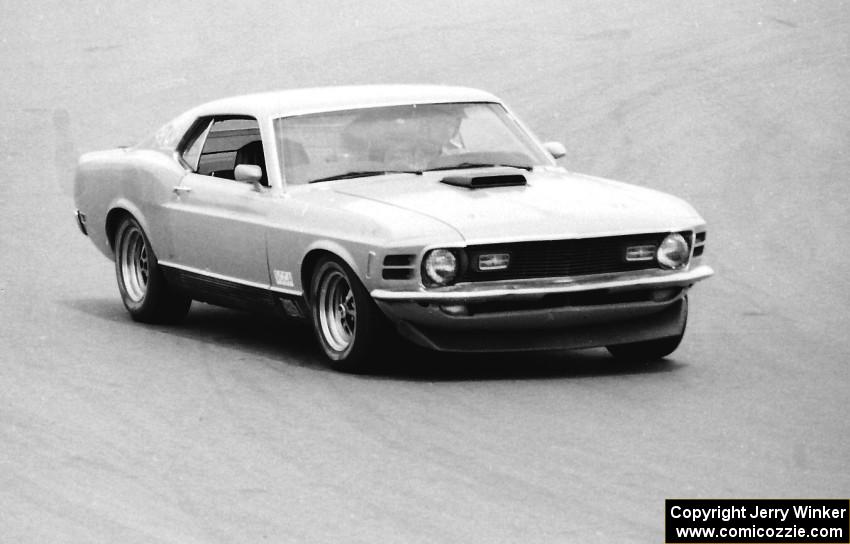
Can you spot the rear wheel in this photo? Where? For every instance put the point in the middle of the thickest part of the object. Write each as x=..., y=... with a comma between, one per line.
x=650, y=350
x=144, y=291
x=345, y=318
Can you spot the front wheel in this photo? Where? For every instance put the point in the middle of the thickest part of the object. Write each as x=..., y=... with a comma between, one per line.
x=144, y=291
x=345, y=318
x=650, y=350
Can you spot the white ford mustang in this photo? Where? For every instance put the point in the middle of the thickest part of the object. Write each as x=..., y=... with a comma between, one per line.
x=425, y=209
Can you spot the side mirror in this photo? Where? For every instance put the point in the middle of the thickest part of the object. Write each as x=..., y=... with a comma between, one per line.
x=249, y=173
x=556, y=149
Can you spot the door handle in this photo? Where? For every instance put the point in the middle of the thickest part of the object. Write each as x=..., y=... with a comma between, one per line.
x=181, y=189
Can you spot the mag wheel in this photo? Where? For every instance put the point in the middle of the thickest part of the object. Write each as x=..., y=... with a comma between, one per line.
x=144, y=291
x=344, y=317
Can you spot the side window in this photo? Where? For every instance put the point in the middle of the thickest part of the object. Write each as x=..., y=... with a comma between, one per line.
x=192, y=150
x=230, y=141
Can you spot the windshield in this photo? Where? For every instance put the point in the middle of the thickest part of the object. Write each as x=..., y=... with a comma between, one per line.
x=410, y=138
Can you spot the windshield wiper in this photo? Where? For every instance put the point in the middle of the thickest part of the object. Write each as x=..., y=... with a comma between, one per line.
x=366, y=173
x=463, y=165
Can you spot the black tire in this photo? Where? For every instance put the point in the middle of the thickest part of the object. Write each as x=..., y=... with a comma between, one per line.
x=650, y=350
x=345, y=318
x=143, y=288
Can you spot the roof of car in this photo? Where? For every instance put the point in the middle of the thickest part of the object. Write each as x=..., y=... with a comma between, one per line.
x=309, y=100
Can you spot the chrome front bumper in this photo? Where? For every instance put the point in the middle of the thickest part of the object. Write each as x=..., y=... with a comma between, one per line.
x=439, y=319
x=521, y=289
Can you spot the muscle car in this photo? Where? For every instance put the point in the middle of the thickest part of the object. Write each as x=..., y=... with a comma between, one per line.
x=427, y=211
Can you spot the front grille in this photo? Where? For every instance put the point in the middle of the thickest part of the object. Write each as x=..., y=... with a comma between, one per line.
x=556, y=258
x=398, y=267
x=399, y=260
x=397, y=273
x=699, y=244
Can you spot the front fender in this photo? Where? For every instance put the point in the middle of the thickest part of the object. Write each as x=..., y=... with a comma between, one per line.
x=340, y=251
x=305, y=266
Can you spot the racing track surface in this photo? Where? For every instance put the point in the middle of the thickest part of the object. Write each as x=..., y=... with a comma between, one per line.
x=228, y=429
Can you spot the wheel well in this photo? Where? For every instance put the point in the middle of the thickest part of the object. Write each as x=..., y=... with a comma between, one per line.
x=113, y=219
x=308, y=265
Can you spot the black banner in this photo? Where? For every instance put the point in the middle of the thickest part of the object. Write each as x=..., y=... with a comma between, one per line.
x=768, y=521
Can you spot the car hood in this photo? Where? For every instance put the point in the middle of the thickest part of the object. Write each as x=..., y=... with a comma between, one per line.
x=554, y=204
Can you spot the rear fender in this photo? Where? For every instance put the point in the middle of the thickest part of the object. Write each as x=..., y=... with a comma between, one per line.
x=123, y=205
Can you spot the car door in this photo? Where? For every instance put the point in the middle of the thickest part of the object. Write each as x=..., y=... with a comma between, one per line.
x=218, y=224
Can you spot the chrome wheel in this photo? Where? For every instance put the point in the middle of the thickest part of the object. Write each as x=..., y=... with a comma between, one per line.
x=337, y=310
x=143, y=287
x=345, y=319
x=134, y=263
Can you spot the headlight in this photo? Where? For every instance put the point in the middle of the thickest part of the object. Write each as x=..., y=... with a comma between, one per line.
x=439, y=267
x=673, y=252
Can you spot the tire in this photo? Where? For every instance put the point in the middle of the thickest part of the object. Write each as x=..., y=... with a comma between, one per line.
x=143, y=288
x=650, y=350
x=346, y=321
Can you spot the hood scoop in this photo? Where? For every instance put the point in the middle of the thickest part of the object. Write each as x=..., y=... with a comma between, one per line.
x=491, y=177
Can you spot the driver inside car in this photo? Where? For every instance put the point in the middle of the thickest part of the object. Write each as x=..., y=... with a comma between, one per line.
x=435, y=134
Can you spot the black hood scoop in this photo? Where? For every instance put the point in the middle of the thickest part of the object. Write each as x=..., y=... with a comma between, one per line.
x=490, y=177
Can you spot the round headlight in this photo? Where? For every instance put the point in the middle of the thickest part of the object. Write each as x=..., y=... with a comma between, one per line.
x=440, y=266
x=673, y=252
